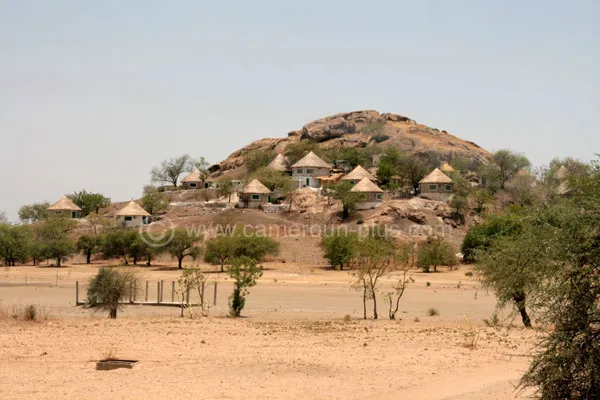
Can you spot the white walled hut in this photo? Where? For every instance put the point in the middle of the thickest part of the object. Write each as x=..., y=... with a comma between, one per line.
x=436, y=186
x=132, y=215
x=306, y=171
x=65, y=208
x=371, y=194
x=254, y=195
x=357, y=175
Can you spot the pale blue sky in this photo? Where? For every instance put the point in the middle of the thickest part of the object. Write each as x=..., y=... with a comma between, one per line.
x=94, y=93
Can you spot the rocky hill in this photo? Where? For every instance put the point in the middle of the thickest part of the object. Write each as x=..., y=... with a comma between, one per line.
x=363, y=129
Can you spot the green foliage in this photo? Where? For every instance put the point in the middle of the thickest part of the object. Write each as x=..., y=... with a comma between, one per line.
x=482, y=197
x=355, y=156
x=506, y=164
x=51, y=240
x=169, y=171
x=118, y=243
x=340, y=248
x=255, y=246
x=225, y=189
x=460, y=200
x=273, y=179
x=153, y=200
x=374, y=127
x=436, y=252
x=14, y=244
x=89, y=202
x=296, y=150
x=109, y=287
x=460, y=164
x=525, y=190
x=385, y=171
x=245, y=274
x=480, y=236
x=183, y=245
x=256, y=159
x=347, y=197
x=220, y=250
x=34, y=212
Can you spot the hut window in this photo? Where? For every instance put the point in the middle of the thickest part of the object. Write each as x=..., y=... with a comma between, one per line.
x=144, y=220
x=256, y=197
x=309, y=171
x=379, y=196
x=128, y=218
x=448, y=188
x=433, y=187
x=74, y=214
x=193, y=185
x=299, y=170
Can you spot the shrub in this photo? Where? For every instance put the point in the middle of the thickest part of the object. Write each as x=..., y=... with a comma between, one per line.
x=433, y=312
x=109, y=287
x=245, y=273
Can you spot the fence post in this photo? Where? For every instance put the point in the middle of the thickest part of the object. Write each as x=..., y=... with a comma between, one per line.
x=172, y=291
x=162, y=290
x=135, y=291
x=76, y=293
x=158, y=292
x=202, y=299
x=146, y=298
x=215, y=295
x=187, y=296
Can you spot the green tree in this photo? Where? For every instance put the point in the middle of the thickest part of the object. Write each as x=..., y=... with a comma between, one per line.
x=88, y=245
x=460, y=164
x=343, y=192
x=258, y=158
x=245, y=274
x=89, y=202
x=118, y=243
x=385, y=171
x=296, y=150
x=340, y=248
x=34, y=212
x=221, y=250
x=436, y=252
x=412, y=170
x=153, y=200
x=480, y=236
x=109, y=287
x=169, y=171
x=52, y=236
x=272, y=179
x=255, y=246
x=226, y=189
x=202, y=166
x=374, y=258
x=184, y=245
x=14, y=244
x=355, y=156
x=482, y=197
x=509, y=163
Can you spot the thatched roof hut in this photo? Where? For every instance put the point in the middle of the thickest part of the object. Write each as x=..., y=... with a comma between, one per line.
x=256, y=187
x=366, y=186
x=64, y=204
x=358, y=174
x=132, y=209
x=279, y=163
x=436, y=176
x=311, y=160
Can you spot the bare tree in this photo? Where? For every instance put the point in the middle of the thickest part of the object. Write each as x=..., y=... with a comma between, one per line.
x=169, y=170
x=406, y=260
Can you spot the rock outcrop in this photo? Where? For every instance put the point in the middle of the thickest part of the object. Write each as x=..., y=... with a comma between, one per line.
x=366, y=128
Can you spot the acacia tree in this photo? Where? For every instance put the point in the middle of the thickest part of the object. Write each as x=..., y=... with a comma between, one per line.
x=347, y=197
x=202, y=166
x=118, y=243
x=154, y=201
x=509, y=163
x=220, y=250
x=34, y=212
x=406, y=260
x=183, y=245
x=436, y=252
x=109, y=287
x=245, y=273
x=375, y=257
x=88, y=245
x=89, y=202
x=340, y=248
x=226, y=189
x=169, y=171
x=14, y=244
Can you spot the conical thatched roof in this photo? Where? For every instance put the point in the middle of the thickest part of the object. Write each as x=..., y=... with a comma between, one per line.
x=256, y=187
x=193, y=176
x=436, y=176
x=311, y=160
x=445, y=167
x=64, y=204
x=562, y=173
x=366, y=186
x=279, y=163
x=358, y=174
x=132, y=209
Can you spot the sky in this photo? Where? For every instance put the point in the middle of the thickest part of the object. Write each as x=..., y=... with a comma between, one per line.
x=93, y=94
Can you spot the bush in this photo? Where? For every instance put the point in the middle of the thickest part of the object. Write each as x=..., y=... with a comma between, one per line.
x=339, y=248
x=109, y=287
x=436, y=252
x=245, y=273
x=433, y=312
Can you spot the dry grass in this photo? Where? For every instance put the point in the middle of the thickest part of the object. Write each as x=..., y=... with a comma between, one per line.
x=28, y=313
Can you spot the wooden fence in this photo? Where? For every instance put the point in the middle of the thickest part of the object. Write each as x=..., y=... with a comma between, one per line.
x=160, y=298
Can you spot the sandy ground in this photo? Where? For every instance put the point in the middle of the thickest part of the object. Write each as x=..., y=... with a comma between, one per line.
x=294, y=341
